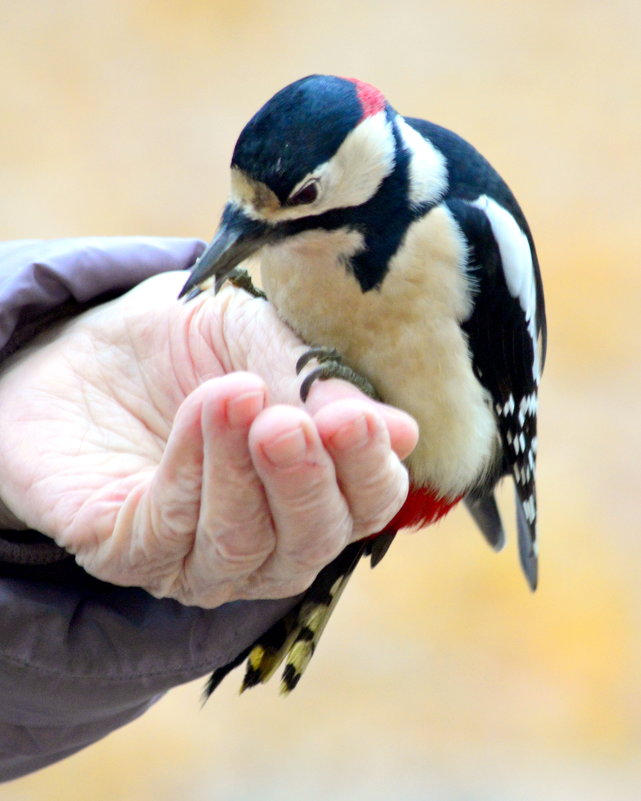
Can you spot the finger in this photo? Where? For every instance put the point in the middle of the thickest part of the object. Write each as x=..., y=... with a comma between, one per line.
x=176, y=487
x=154, y=528
x=310, y=515
x=235, y=533
x=373, y=480
x=402, y=428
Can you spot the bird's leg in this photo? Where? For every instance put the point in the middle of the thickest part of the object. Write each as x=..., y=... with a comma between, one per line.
x=240, y=278
x=331, y=366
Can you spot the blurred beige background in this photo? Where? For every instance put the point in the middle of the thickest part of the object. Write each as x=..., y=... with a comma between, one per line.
x=440, y=676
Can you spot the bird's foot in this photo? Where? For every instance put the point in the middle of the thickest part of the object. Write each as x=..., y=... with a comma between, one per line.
x=330, y=366
x=240, y=278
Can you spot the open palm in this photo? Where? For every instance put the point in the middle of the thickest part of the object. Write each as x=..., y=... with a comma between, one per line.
x=165, y=446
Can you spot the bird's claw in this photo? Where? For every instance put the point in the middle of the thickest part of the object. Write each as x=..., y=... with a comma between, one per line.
x=321, y=354
x=239, y=277
x=330, y=366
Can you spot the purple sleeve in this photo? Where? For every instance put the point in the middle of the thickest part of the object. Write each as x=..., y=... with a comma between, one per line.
x=79, y=658
x=38, y=277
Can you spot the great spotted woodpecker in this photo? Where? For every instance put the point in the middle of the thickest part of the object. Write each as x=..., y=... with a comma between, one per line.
x=396, y=251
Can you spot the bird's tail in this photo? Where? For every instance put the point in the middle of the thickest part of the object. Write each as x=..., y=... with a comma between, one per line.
x=293, y=638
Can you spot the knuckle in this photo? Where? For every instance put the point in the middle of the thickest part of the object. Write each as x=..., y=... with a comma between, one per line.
x=189, y=594
x=303, y=488
x=265, y=586
x=381, y=500
x=243, y=549
x=308, y=506
x=317, y=551
x=175, y=522
x=300, y=583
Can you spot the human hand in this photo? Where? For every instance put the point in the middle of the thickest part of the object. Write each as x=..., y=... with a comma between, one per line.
x=165, y=445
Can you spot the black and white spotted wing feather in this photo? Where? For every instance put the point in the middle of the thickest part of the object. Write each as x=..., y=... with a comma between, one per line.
x=506, y=331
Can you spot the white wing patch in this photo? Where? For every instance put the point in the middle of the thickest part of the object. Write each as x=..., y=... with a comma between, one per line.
x=518, y=268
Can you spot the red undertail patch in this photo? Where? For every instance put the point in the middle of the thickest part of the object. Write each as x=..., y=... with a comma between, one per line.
x=421, y=508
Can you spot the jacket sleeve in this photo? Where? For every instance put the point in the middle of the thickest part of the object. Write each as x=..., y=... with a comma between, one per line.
x=42, y=281
x=80, y=657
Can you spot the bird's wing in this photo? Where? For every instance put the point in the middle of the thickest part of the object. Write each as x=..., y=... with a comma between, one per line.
x=506, y=332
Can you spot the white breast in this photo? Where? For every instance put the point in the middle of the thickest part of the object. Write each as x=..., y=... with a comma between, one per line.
x=404, y=336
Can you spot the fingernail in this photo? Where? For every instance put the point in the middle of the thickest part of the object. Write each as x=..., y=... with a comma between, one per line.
x=351, y=435
x=241, y=410
x=286, y=450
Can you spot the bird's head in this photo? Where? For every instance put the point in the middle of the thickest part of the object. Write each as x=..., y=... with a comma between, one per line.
x=321, y=147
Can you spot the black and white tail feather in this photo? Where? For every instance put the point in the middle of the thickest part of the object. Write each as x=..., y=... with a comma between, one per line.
x=294, y=637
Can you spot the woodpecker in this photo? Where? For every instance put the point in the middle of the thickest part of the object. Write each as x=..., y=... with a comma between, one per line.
x=397, y=252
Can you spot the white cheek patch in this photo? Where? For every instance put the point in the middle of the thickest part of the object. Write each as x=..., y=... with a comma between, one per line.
x=516, y=259
x=361, y=164
x=427, y=170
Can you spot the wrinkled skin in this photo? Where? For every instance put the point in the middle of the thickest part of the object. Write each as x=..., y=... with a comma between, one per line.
x=165, y=445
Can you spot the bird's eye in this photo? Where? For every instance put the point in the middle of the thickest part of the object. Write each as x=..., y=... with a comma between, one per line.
x=307, y=194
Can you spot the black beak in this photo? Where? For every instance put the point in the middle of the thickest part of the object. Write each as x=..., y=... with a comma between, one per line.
x=238, y=236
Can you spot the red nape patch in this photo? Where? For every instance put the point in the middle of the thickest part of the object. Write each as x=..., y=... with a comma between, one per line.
x=371, y=99
x=421, y=508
